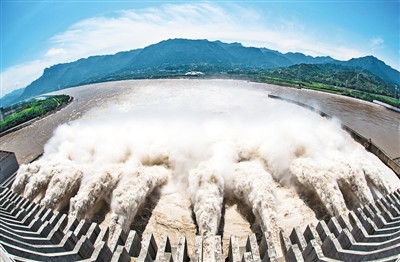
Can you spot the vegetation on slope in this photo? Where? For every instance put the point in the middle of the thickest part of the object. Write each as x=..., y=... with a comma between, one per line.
x=334, y=75
x=27, y=110
x=334, y=79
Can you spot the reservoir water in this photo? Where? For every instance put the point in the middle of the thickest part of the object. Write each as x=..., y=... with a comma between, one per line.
x=370, y=120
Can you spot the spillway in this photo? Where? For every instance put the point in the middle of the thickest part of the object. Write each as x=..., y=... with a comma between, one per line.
x=218, y=153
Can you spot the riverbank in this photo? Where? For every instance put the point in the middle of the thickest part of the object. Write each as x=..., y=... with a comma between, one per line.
x=26, y=113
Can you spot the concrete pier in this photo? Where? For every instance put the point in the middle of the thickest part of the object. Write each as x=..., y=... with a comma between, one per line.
x=28, y=231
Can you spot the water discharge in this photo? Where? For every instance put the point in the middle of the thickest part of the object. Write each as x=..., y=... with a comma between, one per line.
x=207, y=192
x=255, y=186
x=130, y=193
x=211, y=144
x=92, y=192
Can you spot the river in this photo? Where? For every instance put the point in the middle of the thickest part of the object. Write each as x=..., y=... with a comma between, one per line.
x=368, y=119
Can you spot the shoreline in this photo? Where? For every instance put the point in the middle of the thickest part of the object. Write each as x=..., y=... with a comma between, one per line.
x=33, y=120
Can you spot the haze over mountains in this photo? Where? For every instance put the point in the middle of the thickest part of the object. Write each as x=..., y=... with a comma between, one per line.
x=174, y=56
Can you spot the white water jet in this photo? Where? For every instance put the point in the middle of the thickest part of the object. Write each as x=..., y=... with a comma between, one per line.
x=92, y=191
x=196, y=138
x=206, y=186
x=23, y=175
x=130, y=194
x=253, y=185
x=38, y=182
x=62, y=187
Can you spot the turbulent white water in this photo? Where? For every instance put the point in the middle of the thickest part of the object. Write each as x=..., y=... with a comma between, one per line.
x=131, y=192
x=207, y=188
x=92, y=192
x=211, y=142
x=254, y=185
x=24, y=173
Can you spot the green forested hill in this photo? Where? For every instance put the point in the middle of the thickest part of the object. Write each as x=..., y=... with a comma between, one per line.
x=334, y=78
x=335, y=75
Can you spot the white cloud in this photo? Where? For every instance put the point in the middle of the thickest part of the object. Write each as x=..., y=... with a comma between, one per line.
x=376, y=43
x=21, y=75
x=131, y=29
x=55, y=51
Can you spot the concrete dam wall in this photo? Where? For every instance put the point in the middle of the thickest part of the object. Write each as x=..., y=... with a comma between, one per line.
x=8, y=166
x=30, y=232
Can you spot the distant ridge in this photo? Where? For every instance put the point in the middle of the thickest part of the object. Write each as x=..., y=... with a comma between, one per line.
x=375, y=66
x=182, y=54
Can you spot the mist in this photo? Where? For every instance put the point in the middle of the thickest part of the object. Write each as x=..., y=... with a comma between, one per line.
x=209, y=142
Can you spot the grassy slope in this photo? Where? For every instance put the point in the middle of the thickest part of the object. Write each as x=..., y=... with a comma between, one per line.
x=31, y=109
x=333, y=79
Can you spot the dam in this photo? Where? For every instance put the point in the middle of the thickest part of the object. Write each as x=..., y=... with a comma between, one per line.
x=216, y=165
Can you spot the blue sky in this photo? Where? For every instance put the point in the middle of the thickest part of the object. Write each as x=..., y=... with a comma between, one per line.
x=38, y=34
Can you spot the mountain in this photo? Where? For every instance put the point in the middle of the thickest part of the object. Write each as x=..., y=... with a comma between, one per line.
x=299, y=58
x=181, y=52
x=375, y=66
x=79, y=72
x=174, y=57
x=11, y=98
